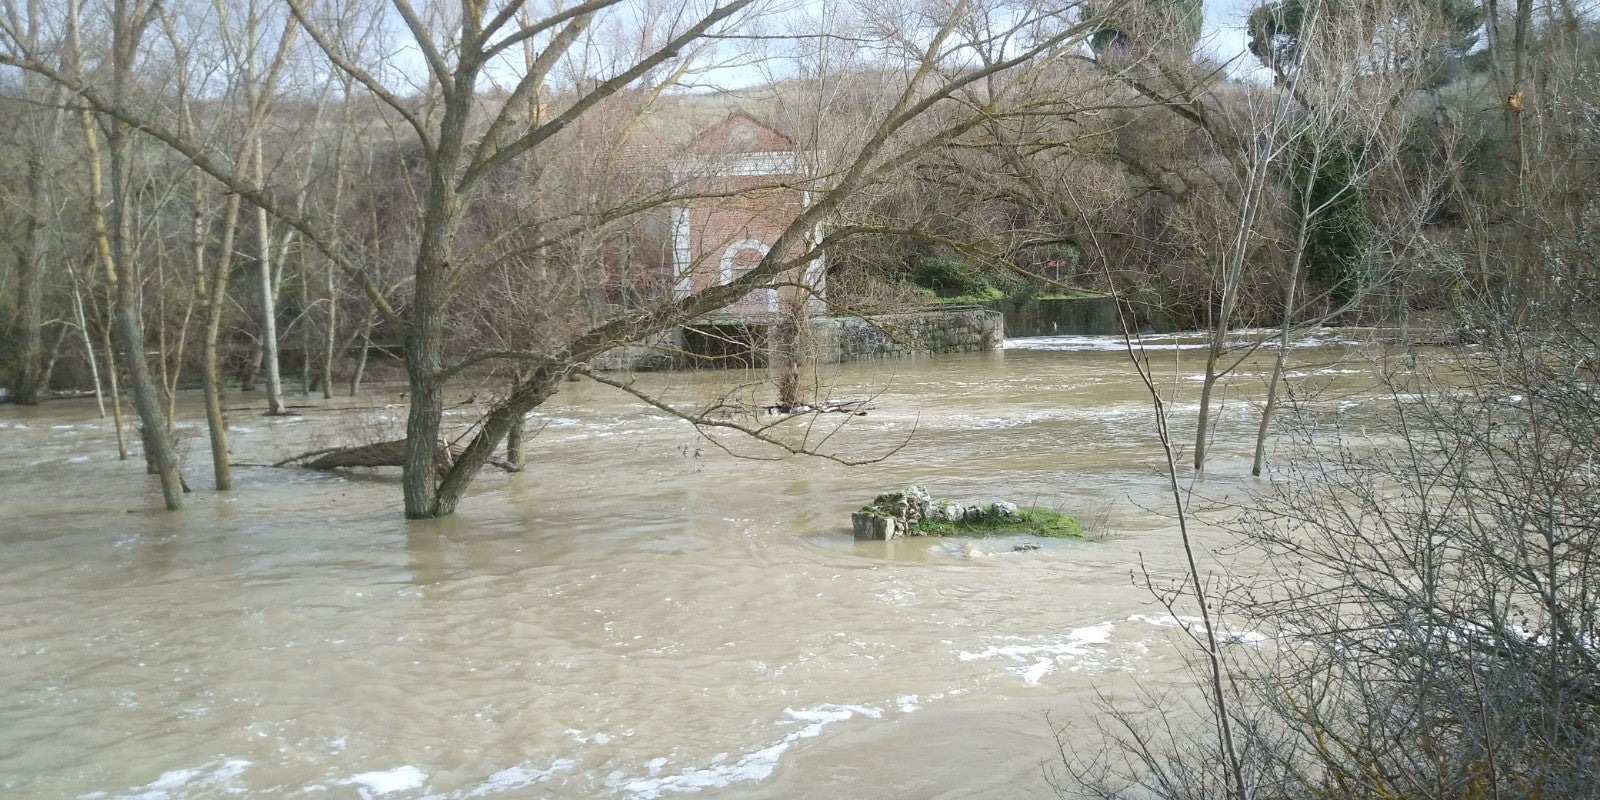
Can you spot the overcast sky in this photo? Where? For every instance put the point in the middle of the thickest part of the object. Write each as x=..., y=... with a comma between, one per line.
x=1224, y=32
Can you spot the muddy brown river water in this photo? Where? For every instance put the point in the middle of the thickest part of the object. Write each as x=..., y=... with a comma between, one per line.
x=638, y=615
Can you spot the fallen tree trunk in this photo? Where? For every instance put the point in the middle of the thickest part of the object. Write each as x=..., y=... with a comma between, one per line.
x=381, y=454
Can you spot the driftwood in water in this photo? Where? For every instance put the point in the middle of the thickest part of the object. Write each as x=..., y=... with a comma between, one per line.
x=854, y=406
x=381, y=454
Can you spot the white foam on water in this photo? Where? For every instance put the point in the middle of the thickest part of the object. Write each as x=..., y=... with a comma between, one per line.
x=1195, y=623
x=754, y=766
x=1190, y=340
x=1033, y=661
x=519, y=777
x=581, y=738
x=1090, y=343
x=214, y=776
x=970, y=422
x=376, y=784
x=831, y=713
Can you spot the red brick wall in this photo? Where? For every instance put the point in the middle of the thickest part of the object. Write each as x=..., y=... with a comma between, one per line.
x=758, y=208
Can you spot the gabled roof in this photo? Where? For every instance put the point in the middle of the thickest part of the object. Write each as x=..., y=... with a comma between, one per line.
x=741, y=132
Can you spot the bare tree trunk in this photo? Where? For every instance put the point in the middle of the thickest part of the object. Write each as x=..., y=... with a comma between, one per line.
x=269, y=307
x=216, y=301
x=1207, y=386
x=211, y=282
x=514, y=446
x=1277, y=362
x=211, y=311
x=1307, y=215
x=30, y=314
x=163, y=371
x=330, y=337
x=424, y=362
x=425, y=340
x=171, y=360
x=1232, y=274
x=516, y=434
x=216, y=424
x=359, y=370
x=29, y=382
x=116, y=386
x=114, y=243
x=308, y=376
x=50, y=363
x=1232, y=277
x=160, y=453
x=213, y=291
x=257, y=157
x=250, y=369
x=88, y=344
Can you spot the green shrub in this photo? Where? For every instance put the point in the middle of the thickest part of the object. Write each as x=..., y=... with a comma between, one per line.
x=949, y=277
x=1322, y=175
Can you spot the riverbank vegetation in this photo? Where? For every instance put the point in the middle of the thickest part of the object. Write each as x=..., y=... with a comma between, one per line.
x=1422, y=581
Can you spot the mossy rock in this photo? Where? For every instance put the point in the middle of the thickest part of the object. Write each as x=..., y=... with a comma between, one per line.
x=913, y=512
x=1028, y=521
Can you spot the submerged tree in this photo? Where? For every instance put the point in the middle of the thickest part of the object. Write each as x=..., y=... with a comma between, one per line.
x=468, y=145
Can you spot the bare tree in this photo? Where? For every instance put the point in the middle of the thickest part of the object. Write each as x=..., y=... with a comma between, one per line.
x=41, y=133
x=464, y=146
x=114, y=233
x=1422, y=561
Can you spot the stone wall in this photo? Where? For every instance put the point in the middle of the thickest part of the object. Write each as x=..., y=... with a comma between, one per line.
x=967, y=330
x=1075, y=316
x=727, y=342
x=660, y=352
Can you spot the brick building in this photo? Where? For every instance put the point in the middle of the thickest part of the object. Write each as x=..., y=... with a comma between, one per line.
x=746, y=182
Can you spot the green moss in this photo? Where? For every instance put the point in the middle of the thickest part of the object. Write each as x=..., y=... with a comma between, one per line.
x=984, y=295
x=948, y=276
x=1030, y=521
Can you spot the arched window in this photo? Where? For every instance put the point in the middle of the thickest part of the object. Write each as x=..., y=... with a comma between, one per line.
x=732, y=266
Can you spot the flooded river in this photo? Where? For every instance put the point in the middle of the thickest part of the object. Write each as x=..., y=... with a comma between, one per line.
x=637, y=615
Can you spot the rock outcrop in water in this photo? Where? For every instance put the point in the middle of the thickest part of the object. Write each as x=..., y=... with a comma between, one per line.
x=913, y=512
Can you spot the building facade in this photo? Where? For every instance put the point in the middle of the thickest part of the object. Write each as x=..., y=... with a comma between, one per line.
x=745, y=183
